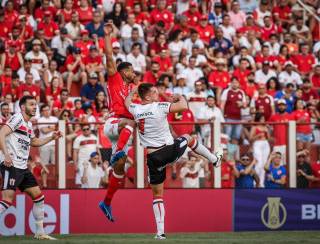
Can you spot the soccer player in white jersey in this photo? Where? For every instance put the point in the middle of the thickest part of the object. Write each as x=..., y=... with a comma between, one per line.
x=16, y=137
x=162, y=149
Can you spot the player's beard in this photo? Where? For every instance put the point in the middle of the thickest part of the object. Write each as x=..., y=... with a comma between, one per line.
x=30, y=112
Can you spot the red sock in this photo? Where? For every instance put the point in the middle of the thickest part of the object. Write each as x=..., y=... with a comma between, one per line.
x=124, y=136
x=115, y=182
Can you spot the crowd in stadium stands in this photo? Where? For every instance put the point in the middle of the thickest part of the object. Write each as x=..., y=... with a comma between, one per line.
x=236, y=61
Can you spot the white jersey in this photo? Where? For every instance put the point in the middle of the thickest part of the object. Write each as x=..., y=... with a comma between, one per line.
x=153, y=125
x=18, y=142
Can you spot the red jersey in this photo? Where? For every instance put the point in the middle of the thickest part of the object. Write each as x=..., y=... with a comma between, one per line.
x=70, y=60
x=280, y=130
x=165, y=15
x=242, y=76
x=92, y=60
x=57, y=104
x=117, y=91
x=28, y=33
x=85, y=15
x=205, y=33
x=5, y=80
x=185, y=116
x=8, y=89
x=49, y=29
x=246, y=29
x=142, y=16
x=283, y=12
x=5, y=29
x=192, y=18
x=264, y=105
x=260, y=58
x=315, y=79
x=251, y=89
x=78, y=113
x=12, y=61
x=33, y=90
x=39, y=13
x=11, y=17
x=84, y=47
x=165, y=63
x=226, y=171
x=302, y=114
x=55, y=95
x=219, y=79
x=304, y=62
x=149, y=77
x=307, y=96
x=231, y=98
x=155, y=46
x=315, y=167
x=66, y=15
x=267, y=31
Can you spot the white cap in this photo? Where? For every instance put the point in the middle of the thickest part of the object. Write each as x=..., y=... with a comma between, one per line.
x=115, y=44
x=289, y=63
x=181, y=76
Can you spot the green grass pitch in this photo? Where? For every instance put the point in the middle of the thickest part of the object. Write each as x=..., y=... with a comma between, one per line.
x=301, y=237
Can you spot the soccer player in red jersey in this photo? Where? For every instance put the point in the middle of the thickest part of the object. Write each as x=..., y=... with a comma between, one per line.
x=120, y=124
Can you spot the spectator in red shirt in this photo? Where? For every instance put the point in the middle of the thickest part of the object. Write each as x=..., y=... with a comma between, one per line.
x=6, y=28
x=309, y=94
x=192, y=14
x=11, y=88
x=12, y=57
x=62, y=103
x=315, y=76
x=205, y=30
x=165, y=62
x=158, y=45
x=5, y=77
x=11, y=15
x=304, y=131
x=53, y=91
x=315, y=180
x=273, y=86
x=34, y=90
x=282, y=13
x=152, y=75
x=78, y=112
x=49, y=26
x=304, y=60
x=242, y=73
x=182, y=129
x=45, y=6
x=26, y=29
x=227, y=168
x=161, y=13
x=93, y=63
x=269, y=28
x=85, y=12
x=66, y=12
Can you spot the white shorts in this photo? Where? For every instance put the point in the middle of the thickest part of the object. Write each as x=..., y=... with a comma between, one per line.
x=111, y=128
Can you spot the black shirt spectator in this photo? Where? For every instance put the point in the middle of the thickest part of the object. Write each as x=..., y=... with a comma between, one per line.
x=304, y=166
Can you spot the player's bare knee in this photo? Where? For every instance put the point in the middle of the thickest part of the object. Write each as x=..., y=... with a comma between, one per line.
x=8, y=195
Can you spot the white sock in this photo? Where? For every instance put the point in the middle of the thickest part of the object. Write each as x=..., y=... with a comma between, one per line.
x=38, y=213
x=3, y=206
x=159, y=213
x=203, y=151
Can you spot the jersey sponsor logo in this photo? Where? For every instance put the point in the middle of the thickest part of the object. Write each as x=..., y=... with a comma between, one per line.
x=145, y=114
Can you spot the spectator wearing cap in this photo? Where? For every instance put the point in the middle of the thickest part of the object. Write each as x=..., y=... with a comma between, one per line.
x=163, y=14
x=193, y=15
x=117, y=53
x=233, y=100
x=135, y=38
x=192, y=40
x=219, y=79
x=192, y=72
x=84, y=43
x=94, y=175
x=39, y=59
x=95, y=27
x=89, y=90
x=215, y=17
x=208, y=113
x=262, y=11
x=85, y=11
x=12, y=57
x=304, y=60
x=304, y=171
x=75, y=68
x=196, y=98
x=265, y=73
x=220, y=43
x=49, y=26
x=289, y=75
x=152, y=75
x=181, y=87
x=315, y=76
x=263, y=103
x=126, y=29
x=269, y=28
x=237, y=16
x=74, y=27
x=275, y=172
x=245, y=174
x=205, y=30
x=137, y=59
x=93, y=63
x=304, y=131
x=280, y=130
x=60, y=44
x=47, y=125
x=229, y=32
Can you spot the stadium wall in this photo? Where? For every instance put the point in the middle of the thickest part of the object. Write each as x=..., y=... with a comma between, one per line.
x=199, y=210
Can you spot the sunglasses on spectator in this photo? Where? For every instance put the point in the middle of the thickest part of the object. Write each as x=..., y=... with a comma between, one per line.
x=245, y=159
x=86, y=129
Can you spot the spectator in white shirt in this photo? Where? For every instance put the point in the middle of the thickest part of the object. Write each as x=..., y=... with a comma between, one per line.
x=61, y=42
x=127, y=28
x=38, y=58
x=301, y=31
x=189, y=173
x=192, y=73
x=176, y=45
x=265, y=73
x=74, y=27
x=196, y=98
x=229, y=31
x=194, y=39
x=46, y=128
x=243, y=54
x=273, y=44
x=93, y=175
x=201, y=60
x=27, y=68
x=137, y=59
x=181, y=87
x=208, y=113
x=135, y=38
x=289, y=75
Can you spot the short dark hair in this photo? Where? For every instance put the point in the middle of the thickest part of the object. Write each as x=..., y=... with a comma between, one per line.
x=24, y=100
x=43, y=107
x=4, y=104
x=123, y=65
x=258, y=117
x=210, y=96
x=64, y=90
x=143, y=89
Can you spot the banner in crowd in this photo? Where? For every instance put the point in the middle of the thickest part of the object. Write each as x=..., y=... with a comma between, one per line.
x=279, y=209
x=77, y=211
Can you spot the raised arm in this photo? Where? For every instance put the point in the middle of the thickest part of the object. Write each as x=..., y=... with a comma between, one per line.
x=180, y=105
x=111, y=65
x=129, y=97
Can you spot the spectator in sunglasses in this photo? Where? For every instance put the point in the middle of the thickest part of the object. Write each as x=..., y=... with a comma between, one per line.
x=245, y=174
